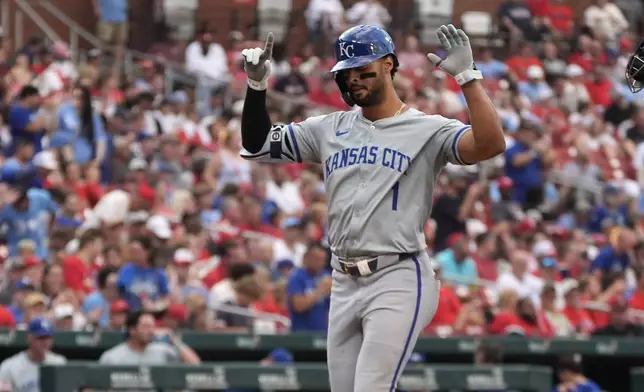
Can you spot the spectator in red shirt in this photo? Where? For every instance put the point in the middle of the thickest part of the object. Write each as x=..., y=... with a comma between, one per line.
x=534, y=322
x=599, y=87
x=253, y=219
x=77, y=268
x=506, y=320
x=174, y=317
x=486, y=247
x=520, y=63
x=230, y=252
x=449, y=305
x=6, y=318
x=560, y=16
x=637, y=298
x=327, y=93
x=576, y=314
x=118, y=315
x=584, y=57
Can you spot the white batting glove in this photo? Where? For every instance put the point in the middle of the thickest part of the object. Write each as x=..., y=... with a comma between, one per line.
x=257, y=64
x=459, y=61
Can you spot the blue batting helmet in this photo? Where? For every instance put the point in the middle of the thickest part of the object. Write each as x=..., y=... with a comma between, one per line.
x=357, y=47
x=361, y=45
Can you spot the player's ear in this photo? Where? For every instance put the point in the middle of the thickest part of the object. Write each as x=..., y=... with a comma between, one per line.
x=387, y=64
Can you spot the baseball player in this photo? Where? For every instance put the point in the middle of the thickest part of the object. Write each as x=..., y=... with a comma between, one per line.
x=380, y=165
x=21, y=372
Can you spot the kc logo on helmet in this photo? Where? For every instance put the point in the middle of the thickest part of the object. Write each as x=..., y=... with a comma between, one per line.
x=346, y=50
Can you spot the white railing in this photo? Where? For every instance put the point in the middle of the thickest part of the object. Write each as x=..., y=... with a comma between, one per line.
x=253, y=314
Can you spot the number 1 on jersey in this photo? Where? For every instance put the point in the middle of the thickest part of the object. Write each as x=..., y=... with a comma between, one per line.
x=394, y=203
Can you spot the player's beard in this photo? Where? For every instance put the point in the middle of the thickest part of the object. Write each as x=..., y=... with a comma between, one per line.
x=374, y=96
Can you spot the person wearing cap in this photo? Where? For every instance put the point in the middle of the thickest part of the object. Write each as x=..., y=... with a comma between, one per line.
x=33, y=306
x=525, y=162
x=613, y=259
x=613, y=212
x=21, y=372
x=505, y=208
x=136, y=221
x=28, y=218
x=536, y=86
x=174, y=317
x=118, y=315
x=64, y=316
x=21, y=290
x=90, y=71
x=308, y=290
x=620, y=323
x=184, y=284
x=290, y=246
x=96, y=305
x=143, y=347
x=578, y=317
x=141, y=283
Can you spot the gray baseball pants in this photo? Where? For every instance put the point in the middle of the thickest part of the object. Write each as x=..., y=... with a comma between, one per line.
x=374, y=323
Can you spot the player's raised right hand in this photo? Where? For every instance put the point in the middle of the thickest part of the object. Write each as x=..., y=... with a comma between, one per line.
x=257, y=64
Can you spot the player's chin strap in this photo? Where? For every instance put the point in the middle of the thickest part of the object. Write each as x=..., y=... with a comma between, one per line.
x=467, y=76
x=340, y=80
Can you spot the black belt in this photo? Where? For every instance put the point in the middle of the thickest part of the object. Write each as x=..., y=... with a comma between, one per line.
x=353, y=270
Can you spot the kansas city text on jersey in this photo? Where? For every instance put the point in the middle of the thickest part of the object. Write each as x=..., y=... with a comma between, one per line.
x=370, y=155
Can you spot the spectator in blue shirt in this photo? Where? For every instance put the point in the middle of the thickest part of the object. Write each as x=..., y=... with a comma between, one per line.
x=112, y=23
x=25, y=121
x=81, y=128
x=29, y=217
x=490, y=67
x=456, y=264
x=140, y=283
x=612, y=260
x=308, y=291
x=535, y=88
x=19, y=168
x=524, y=164
x=614, y=212
x=97, y=304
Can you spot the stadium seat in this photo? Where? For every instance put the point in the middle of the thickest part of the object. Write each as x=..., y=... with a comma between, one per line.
x=478, y=25
x=431, y=15
x=274, y=16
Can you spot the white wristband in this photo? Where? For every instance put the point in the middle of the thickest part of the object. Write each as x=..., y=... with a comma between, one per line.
x=467, y=76
x=258, y=86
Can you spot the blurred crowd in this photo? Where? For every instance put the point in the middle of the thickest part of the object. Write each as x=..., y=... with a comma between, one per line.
x=122, y=192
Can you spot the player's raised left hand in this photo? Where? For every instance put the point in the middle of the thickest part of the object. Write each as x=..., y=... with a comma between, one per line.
x=257, y=64
x=459, y=52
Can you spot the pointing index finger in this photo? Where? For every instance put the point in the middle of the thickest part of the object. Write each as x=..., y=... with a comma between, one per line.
x=268, y=48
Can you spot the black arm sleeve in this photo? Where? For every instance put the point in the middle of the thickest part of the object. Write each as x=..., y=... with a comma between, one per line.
x=255, y=123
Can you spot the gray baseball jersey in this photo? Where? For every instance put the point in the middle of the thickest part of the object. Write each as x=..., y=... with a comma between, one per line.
x=22, y=374
x=379, y=176
x=156, y=353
